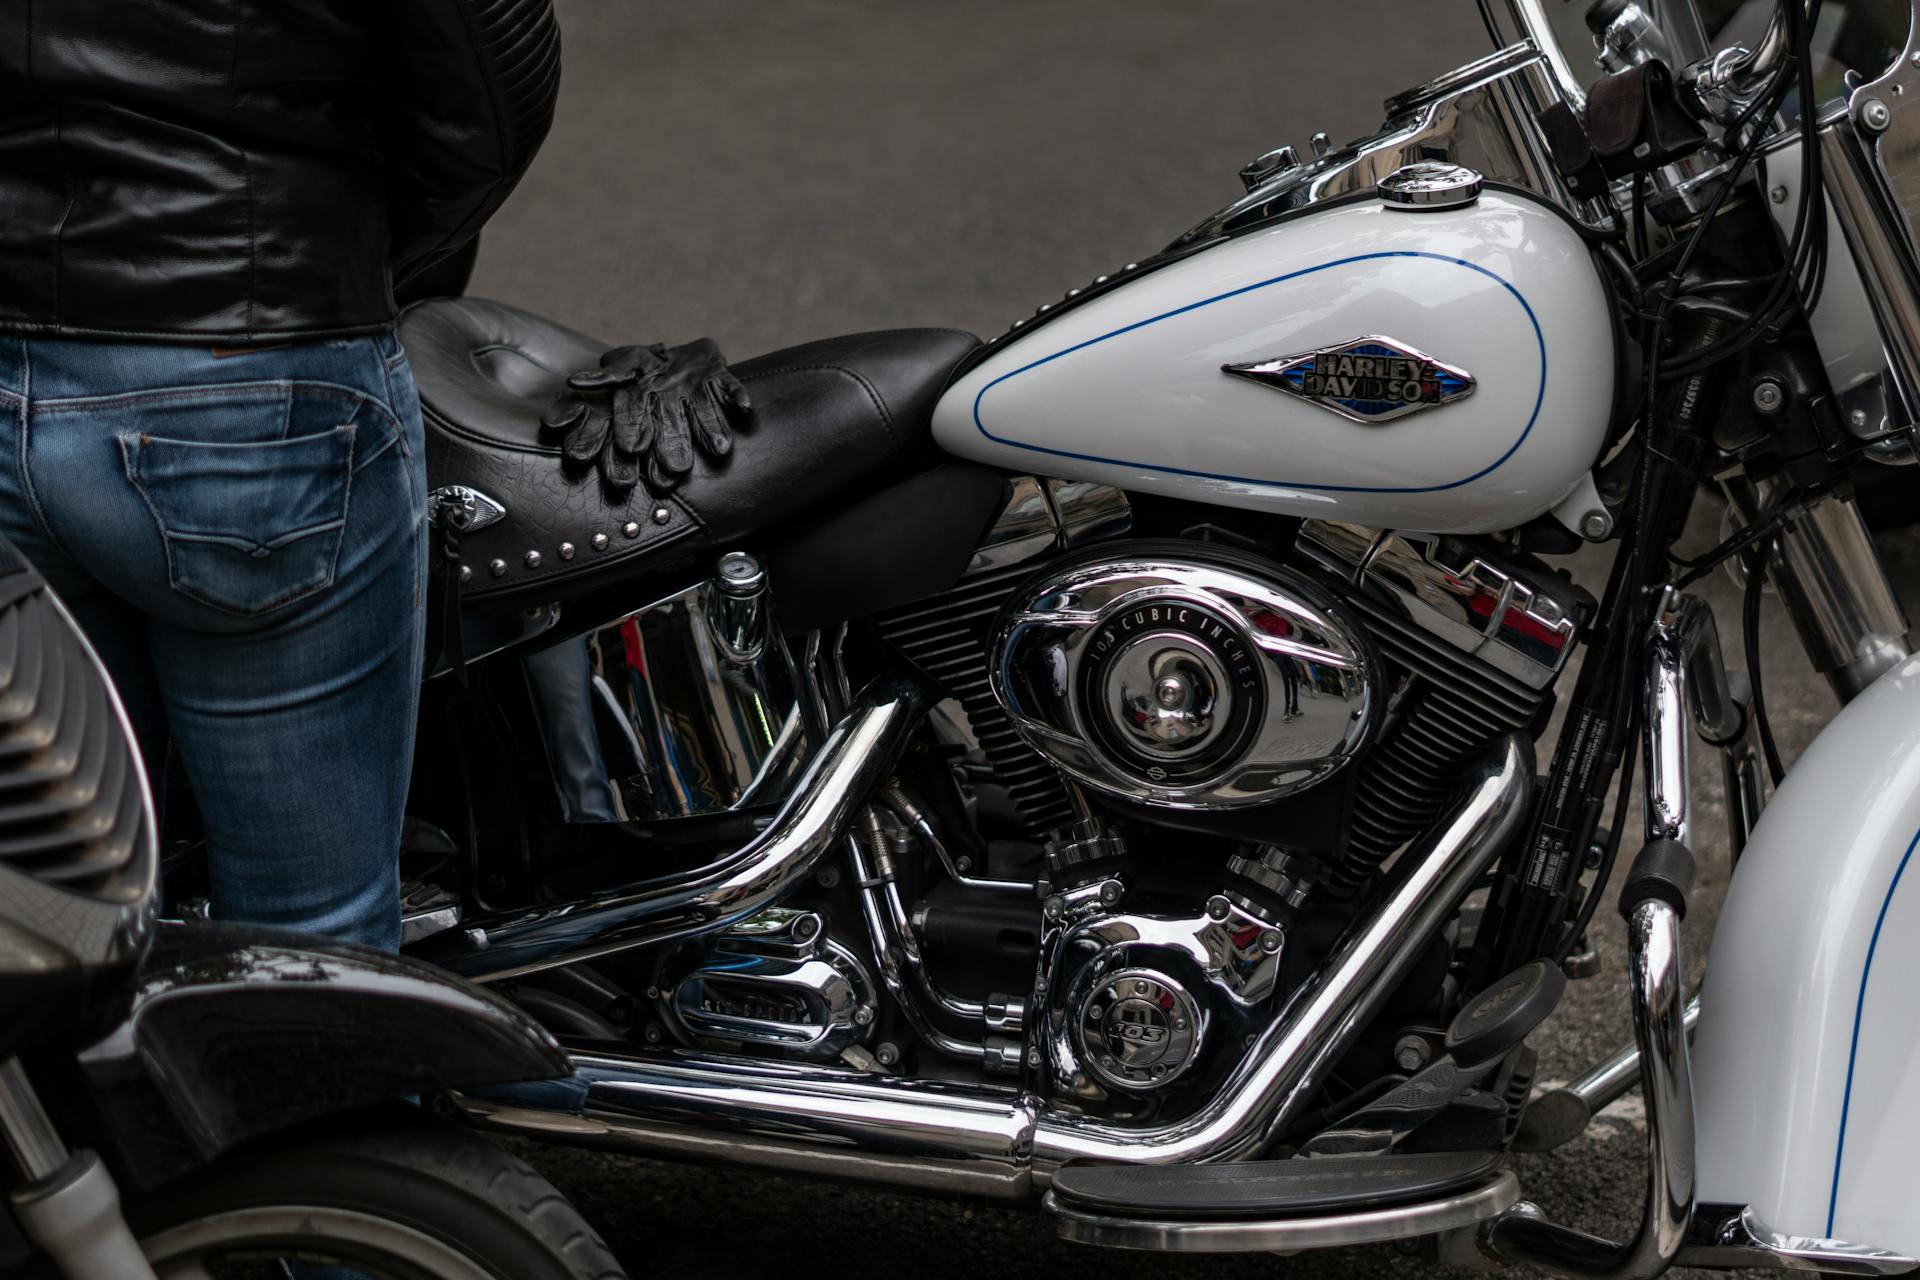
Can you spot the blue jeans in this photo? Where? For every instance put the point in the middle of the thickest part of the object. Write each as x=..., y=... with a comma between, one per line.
x=242, y=534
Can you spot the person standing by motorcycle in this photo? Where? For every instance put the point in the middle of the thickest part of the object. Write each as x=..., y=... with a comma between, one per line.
x=210, y=441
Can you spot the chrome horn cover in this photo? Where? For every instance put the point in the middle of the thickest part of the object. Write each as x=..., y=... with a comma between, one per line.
x=1186, y=678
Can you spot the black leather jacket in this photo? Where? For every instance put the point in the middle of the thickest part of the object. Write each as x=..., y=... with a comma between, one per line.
x=238, y=170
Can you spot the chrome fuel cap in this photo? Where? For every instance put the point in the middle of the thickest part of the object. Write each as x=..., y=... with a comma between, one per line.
x=1429, y=184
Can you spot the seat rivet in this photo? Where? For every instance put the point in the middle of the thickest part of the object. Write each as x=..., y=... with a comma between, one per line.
x=533, y=559
x=498, y=568
x=661, y=515
x=599, y=541
x=566, y=551
x=631, y=528
x=466, y=573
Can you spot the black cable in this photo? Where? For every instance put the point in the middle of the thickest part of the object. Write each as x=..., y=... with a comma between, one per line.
x=1750, y=629
x=1733, y=546
x=1608, y=856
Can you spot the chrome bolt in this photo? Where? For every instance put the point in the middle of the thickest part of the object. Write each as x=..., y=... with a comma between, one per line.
x=827, y=877
x=886, y=1054
x=1768, y=396
x=1875, y=115
x=498, y=568
x=1595, y=525
x=1411, y=1053
x=653, y=993
x=1172, y=693
x=1270, y=941
x=654, y=1034
x=1218, y=908
x=631, y=528
x=466, y=573
x=566, y=550
x=599, y=541
x=1778, y=195
x=532, y=559
x=661, y=515
x=1915, y=59
x=1094, y=1011
x=1033, y=1058
x=1052, y=908
x=1139, y=987
x=1179, y=1024
x=1321, y=143
x=1858, y=419
x=1110, y=892
x=863, y=1016
x=806, y=927
x=963, y=864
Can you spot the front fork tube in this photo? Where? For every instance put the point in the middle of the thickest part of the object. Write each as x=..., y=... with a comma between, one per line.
x=66, y=1201
x=1823, y=564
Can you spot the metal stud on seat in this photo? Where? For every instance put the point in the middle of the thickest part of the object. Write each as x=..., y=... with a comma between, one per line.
x=662, y=514
x=566, y=551
x=498, y=568
x=599, y=541
x=631, y=528
x=532, y=559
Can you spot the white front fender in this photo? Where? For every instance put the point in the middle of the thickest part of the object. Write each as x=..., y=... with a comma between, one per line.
x=1806, y=1070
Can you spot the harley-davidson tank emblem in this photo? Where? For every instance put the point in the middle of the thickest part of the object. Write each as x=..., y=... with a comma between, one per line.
x=1371, y=379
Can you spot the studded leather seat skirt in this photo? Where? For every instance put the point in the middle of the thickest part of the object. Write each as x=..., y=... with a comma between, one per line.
x=824, y=415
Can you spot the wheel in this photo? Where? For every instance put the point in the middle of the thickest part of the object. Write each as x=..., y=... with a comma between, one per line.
x=410, y=1199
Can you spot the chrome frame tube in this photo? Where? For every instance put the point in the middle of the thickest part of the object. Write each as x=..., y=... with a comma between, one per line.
x=890, y=934
x=1291, y=1058
x=1523, y=1233
x=1001, y=1143
x=1607, y=1083
x=857, y=757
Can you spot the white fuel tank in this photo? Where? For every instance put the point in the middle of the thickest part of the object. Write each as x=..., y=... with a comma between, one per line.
x=1438, y=370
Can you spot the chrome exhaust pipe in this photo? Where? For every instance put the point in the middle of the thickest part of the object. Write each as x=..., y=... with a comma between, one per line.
x=858, y=755
x=999, y=1143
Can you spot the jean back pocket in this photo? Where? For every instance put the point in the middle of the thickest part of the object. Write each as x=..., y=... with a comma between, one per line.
x=249, y=526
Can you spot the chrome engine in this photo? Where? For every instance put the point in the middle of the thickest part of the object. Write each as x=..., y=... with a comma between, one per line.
x=1190, y=678
x=1184, y=678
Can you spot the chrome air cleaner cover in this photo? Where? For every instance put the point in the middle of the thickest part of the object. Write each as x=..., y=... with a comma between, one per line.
x=1185, y=677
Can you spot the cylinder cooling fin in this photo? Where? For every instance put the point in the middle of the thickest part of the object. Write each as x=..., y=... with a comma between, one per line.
x=1184, y=676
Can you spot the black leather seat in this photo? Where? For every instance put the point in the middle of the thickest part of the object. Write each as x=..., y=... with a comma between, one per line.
x=825, y=414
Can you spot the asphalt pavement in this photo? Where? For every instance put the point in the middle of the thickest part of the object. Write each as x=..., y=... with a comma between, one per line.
x=765, y=174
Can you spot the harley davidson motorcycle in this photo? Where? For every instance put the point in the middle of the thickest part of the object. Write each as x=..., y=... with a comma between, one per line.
x=1105, y=766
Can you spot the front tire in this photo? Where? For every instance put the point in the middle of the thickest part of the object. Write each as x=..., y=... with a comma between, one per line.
x=413, y=1199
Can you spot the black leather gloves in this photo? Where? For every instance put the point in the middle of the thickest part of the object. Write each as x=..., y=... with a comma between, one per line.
x=648, y=405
